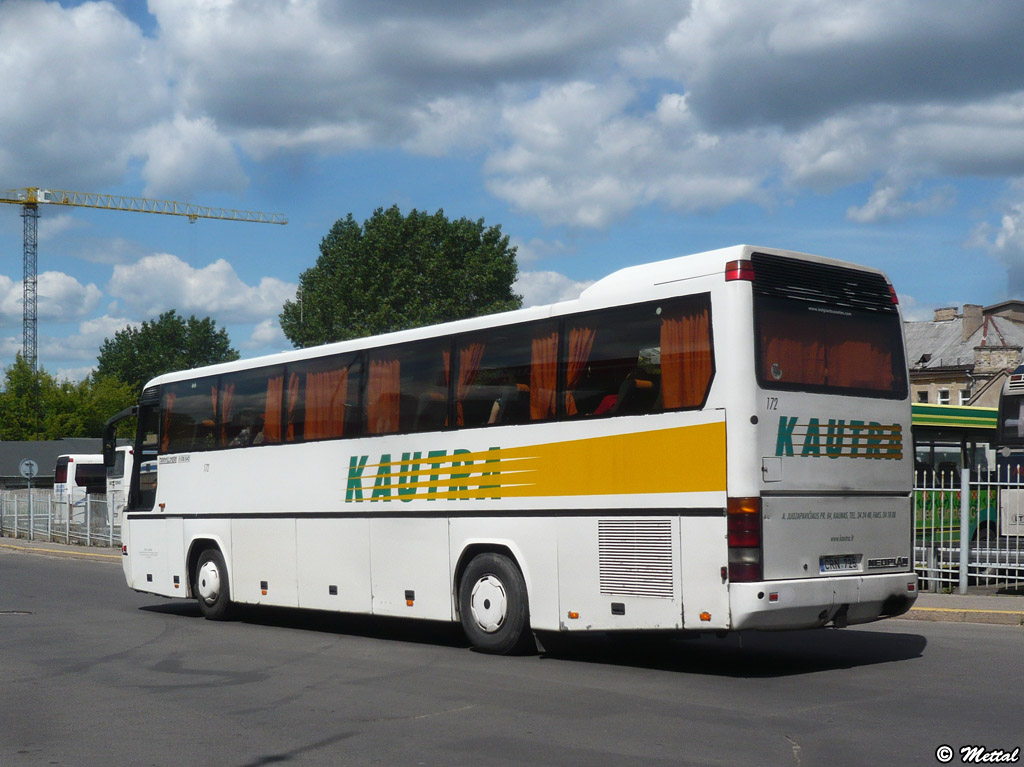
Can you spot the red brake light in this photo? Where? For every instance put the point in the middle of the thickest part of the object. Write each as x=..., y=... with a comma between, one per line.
x=739, y=270
x=893, y=296
x=743, y=524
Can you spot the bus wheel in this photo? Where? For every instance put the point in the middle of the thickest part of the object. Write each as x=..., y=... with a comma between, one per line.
x=211, y=586
x=493, y=605
x=987, y=536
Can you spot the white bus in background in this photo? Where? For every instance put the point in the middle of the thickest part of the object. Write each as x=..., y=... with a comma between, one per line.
x=75, y=477
x=118, y=477
x=710, y=443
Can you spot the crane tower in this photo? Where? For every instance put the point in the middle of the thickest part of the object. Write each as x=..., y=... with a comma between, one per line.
x=30, y=198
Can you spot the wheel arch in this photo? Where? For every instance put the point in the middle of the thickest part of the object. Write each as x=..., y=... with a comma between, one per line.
x=470, y=550
x=195, y=550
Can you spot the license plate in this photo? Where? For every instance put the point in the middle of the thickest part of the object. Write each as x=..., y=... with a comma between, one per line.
x=840, y=563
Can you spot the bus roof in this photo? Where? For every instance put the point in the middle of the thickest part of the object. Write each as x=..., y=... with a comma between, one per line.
x=625, y=285
x=83, y=457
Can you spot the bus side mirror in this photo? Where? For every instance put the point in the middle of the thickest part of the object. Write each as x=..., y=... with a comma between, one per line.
x=110, y=435
x=109, y=450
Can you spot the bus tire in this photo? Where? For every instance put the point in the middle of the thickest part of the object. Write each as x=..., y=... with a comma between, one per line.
x=493, y=606
x=211, y=586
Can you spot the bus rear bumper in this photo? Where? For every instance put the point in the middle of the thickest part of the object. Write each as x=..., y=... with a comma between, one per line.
x=815, y=602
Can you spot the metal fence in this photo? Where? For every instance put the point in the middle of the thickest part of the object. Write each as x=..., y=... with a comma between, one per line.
x=36, y=516
x=969, y=531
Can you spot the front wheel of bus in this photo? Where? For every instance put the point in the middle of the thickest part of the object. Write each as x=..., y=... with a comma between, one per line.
x=493, y=605
x=211, y=586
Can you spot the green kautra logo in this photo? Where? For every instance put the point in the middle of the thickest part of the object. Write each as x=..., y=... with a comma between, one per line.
x=838, y=438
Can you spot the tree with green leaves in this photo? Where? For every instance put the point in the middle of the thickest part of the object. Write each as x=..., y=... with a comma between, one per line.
x=395, y=272
x=170, y=342
x=34, y=405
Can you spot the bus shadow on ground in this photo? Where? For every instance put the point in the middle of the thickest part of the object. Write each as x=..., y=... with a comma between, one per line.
x=369, y=626
x=748, y=654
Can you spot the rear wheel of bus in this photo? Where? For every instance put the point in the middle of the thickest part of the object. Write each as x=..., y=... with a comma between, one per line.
x=493, y=605
x=210, y=586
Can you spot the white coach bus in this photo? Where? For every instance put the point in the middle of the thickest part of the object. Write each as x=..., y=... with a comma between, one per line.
x=715, y=442
x=75, y=477
x=118, y=477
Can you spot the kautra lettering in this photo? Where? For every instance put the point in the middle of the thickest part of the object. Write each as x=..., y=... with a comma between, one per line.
x=855, y=438
x=441, y=475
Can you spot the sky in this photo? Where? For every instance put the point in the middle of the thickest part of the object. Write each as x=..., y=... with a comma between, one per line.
x=597, y=135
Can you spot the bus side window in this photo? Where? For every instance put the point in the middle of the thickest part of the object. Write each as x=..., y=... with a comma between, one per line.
x=250, y=407
x=612, y=362
x=638, y=359
x=322, y=399
x=495, y=382
x=189, y=410
x=407, y=387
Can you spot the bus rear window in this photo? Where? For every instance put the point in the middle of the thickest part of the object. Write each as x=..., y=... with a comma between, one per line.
x=813, y=347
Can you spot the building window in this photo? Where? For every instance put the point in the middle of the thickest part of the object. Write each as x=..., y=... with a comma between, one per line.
x=965, y=396
x=922, y=396
x=943, y=396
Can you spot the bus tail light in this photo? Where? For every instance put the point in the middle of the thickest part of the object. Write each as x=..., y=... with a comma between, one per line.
x=739, y=270
x=744, y=534
x=893, y=296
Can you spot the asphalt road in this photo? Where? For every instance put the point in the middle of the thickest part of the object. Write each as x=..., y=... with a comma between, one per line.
x=93, y=674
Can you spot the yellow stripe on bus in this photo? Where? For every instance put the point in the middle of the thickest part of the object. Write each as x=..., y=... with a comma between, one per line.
x=680, y=460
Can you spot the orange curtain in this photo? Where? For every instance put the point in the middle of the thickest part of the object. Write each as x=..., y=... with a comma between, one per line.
x=293, y=398
x=789, y=353
x=469, y=365
x=227, y=400
x=382, y=393
x=165, y=438
x=581, y=341
x=860, y=365
x=543, y=374
x=272, y=411
x=686, y=360
x=325, y=404
x=858, y=361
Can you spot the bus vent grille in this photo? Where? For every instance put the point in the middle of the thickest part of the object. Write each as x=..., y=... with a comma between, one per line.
x=821, y=283
x=635, y=557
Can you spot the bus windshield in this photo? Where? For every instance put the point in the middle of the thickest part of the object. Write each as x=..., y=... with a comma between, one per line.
x=803, y=346
x=1011, y=420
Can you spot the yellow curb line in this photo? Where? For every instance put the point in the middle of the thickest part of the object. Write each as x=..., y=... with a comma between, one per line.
x=963, y=610
x=58, y=552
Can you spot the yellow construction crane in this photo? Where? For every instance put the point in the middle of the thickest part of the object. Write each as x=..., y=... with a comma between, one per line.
x=31, y=198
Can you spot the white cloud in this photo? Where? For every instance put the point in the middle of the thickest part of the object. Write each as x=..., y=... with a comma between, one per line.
x=540, y=288
x=81, y=346
x=90, y=81
x=914, y=312
x=584, y=112
x=161, y=282
x=537, y=249
x=267, y=335
x=888, y=201
x=59, y=298
x=580, y=154
x=1006, y=242
x=52, y=226
x=184, y=154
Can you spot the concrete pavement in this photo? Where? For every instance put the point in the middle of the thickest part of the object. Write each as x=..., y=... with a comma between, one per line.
x=972, y=608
